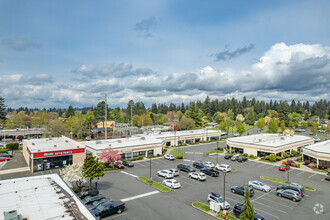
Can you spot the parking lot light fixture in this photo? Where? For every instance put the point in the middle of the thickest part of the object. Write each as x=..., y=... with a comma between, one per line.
x=217, y=153
x=224, y=186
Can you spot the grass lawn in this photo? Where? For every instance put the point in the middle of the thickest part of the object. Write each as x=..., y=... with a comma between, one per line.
x=284, y=181
x=154, y=184
x=214, y=151
x=233, y=169
x=267, y=161
x=230, y=217
x=177, y=153
x=321, y=171
x=201, y=206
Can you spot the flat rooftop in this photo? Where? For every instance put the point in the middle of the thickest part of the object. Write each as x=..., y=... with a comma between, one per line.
x=161, y=135
x=121, y=143
x=321, y=147
x=270, y=140
x=41, y=197
x=52, y=144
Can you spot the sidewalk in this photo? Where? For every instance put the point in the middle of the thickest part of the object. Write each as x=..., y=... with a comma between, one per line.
x=16, y=170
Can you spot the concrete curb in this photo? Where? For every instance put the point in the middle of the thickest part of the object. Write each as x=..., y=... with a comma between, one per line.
x=208, y=213
x=154, y=187
x=282, y=183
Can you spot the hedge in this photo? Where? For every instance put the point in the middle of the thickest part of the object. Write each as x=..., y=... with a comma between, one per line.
x=3, y=151
x=12, y=146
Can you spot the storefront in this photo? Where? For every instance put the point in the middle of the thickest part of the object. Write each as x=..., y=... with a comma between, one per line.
x=46, y=154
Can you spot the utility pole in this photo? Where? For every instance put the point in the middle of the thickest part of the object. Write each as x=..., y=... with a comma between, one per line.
x=217, y=153
x=105, y=118
x=150, y=169
x=131, y=116
x=224, y=186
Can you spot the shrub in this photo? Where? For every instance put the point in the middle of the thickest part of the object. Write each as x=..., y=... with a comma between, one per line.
x=284, y=162
x=262, y=158
x=140, y=158
x=298, y=165
x=233, y=152
x=267, y=158
x=179, y=157
x=278, y=158
x=293, y=165
x=323, y=167
x=4, y=151
x=307, y=162
x=312, y=166
x=299, y=159
x=295, y=153
x=166, y=146
x=272, y=157
x=285, y=155
x=291, y=162
x=292, y=155
x=12, y=146
x=251, y=155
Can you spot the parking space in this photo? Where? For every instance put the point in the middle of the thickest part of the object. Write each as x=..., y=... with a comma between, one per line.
x=268, y=204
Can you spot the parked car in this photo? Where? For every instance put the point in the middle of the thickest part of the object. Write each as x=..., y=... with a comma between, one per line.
x=236, y=134
x=186, y=167
x=241, y=159
x=4, y=159
x=234, y=157
x=96, y=203
x=119, y=165
x=210, y=171
x=259, y=185
x=215, y=197
x=238, y=211
x=292, y=186
x=317, y=139
x=283, y=167
x=290, y=194
x=198, y=176
x=88, y=192
x=165, y=173
x=228, y=156
x=241, y=190
x=169, y=157
x=175, y=172
x=172, y=183
x=6, y=155
x=90, y=199
x=128, y=163
x=327, y=176
x=223, y=167
x=108, y=208
x=209, y=164
x=199, y=164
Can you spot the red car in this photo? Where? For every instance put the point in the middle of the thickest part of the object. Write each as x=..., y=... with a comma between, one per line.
x=119, y=165
x=283, y=167
x=4, y=159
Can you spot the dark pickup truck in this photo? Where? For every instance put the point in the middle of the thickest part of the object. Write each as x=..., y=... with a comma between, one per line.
x=108, y=208
x=210, y=171
x=88, y=192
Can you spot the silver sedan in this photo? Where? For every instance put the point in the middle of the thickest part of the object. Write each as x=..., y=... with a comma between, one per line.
x=259, y=185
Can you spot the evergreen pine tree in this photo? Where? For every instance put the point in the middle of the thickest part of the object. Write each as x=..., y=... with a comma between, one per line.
x=247, y=209
x=3, y=112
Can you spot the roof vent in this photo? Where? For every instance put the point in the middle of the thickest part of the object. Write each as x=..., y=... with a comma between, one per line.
x=32, y=143
x=119, y=141
x=282, y=138
x=109, y=145
x=66, y=141
x=143, y=138
x=98, y=142
x=55, y=145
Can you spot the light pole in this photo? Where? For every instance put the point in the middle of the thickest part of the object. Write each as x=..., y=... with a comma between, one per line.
x=217, y=153
x=150, y=168
x=224, y=186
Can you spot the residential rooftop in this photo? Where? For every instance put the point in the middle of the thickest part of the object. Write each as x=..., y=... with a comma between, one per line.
x=52, y=144
x=320, y=147
x=270, y=140
x=121, y=143
x=41, y=197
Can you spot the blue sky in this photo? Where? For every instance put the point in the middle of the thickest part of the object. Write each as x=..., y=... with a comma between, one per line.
x=56, y=53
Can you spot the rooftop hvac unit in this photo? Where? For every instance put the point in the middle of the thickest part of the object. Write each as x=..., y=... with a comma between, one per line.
x=143, y=138
x=282, y=138
x=12, y=215
x=98, y=142
x=119, y=141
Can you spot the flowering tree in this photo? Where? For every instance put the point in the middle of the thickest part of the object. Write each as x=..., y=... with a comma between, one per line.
x=109, y=156
x=73, y=174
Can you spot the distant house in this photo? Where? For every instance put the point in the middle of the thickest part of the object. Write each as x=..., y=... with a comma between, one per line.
x=211, y=125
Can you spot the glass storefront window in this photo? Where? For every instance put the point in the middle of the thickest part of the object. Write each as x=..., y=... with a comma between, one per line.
x=51, y=162
x=135, y=154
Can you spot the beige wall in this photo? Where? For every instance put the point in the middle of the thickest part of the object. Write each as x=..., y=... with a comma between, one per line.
x=253, y=149
x=26, y=154
x=316, y=155
x=78, y=158
x=188, y=137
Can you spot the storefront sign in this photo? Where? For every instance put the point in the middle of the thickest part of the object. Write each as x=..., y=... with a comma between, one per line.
x=58, y=153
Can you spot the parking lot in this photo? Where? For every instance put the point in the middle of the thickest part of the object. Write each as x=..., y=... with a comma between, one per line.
x=144, y=202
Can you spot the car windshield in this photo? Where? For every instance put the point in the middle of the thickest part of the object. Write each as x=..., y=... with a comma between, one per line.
x=201, y=174
x=261, y=184
x=175, y=182
x=119, y=163
x=100, y=208
x=219, y=200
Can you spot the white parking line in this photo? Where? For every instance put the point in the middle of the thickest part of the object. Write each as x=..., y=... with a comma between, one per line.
x=261, y=165
x=299, y=173
x=270, y=167
x=281, y=204
x=267, y=213
x=265, y=194
x=188, y=152
x=312, y=175
x=185, y=182
x=140, y=196
x=161, y=161
x=155, y=162
x=322, y=180
x=186, y=160
x=129, y=174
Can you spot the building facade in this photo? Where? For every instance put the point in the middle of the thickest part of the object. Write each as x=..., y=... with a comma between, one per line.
x=318, y=153
x=49, y=153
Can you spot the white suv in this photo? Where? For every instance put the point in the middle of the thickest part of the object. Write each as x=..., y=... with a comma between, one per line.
x=198, y=176
x=169, y=157
x=165, y=173
x=223, y=167
x=209, y=164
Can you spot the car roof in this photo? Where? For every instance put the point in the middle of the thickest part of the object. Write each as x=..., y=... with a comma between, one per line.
x=215, y=194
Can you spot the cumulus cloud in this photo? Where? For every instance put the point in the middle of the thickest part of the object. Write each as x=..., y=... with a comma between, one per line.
x=299, y=71
x=145, y=26
x=120, y=70
x=227, y=54
x=20, y=44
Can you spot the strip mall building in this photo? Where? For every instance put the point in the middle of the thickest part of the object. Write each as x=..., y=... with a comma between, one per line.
x=49, y=153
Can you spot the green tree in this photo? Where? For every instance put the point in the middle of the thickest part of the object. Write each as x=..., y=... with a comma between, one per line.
x=261, y=123
x=14, y=121
x=56, y=128
x=250, y=117
x=92, y=169
x=314, y=127
x=304, y=124
x=77, y=124
x=328, y=126
x=99, y=111
x=69, y=112
x=145, y=120
x=3, y=112
x=240, y=127
x=186, y=123
x=224, y=126
x=282, y=126
x=247, y=209
x=194, y=113
x=273, y=126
